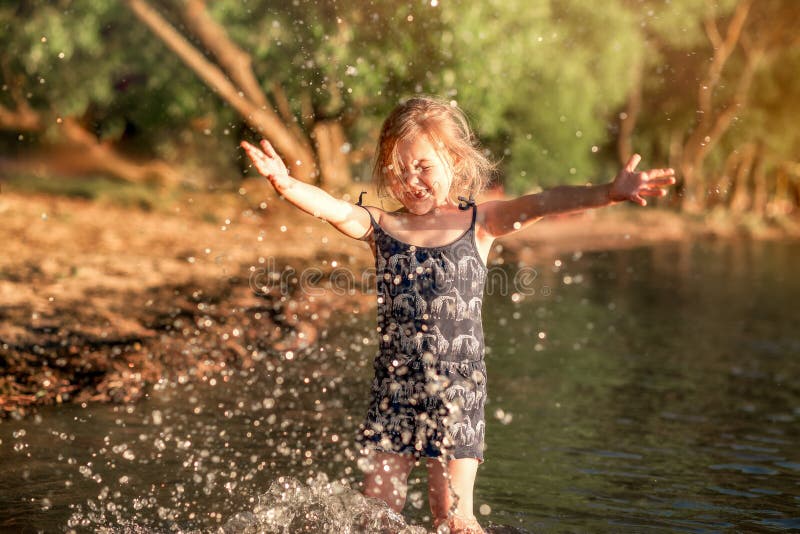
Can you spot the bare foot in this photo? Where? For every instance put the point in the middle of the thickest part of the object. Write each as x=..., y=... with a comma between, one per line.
x=457, y=524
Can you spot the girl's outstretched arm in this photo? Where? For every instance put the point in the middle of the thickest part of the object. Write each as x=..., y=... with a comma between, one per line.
x=502, y=217
x=344, y=216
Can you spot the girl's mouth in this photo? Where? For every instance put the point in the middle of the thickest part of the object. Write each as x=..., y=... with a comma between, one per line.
x=422, y=194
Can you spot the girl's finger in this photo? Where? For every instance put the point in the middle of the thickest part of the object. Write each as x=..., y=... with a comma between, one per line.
x=639, y=200
x=268, y=148
x=633, y=162
x=652, y=192
x=253, y=152
x=661, y=182
x=658, y=173
x=250, y=148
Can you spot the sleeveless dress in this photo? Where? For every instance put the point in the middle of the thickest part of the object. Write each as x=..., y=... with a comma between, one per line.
x=429, y=388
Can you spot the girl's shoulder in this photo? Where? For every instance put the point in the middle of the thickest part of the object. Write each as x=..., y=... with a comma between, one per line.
x=377, y=213
x=380, y=215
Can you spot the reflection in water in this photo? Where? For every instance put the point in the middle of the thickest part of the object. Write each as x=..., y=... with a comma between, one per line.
x=659, y=374
x=651, y=390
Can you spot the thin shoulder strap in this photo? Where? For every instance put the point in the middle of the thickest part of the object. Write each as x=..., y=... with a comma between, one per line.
x=371, y=218
x=465, y=203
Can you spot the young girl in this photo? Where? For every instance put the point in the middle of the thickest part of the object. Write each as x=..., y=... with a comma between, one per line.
x=429, y=389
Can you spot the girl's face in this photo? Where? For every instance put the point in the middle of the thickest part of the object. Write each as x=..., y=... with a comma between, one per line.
x=424, y=178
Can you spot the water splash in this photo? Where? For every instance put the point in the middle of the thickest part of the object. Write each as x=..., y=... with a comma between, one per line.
x=289, y=506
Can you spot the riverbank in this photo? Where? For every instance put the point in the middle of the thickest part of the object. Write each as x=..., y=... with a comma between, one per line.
x=99, y=301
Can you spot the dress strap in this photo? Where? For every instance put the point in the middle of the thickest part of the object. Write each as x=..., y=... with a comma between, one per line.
x=371, y=218
x=464, y=203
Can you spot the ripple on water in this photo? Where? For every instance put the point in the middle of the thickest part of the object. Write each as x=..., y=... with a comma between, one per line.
x=744, y=468
x=786, y=523
x=794, y=466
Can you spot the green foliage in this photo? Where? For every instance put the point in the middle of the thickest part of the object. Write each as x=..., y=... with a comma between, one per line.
x=540, y=80
x=91, y=61
x=348, y=59
x=543, y=82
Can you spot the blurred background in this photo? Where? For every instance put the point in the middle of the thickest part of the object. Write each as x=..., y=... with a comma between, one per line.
x=643, y=381
x=132, y=91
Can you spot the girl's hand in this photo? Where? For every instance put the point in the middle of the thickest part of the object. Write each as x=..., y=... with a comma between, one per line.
x=632, y=185
x=267, y=162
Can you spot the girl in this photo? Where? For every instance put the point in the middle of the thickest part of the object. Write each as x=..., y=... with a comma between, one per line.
x=429, y=388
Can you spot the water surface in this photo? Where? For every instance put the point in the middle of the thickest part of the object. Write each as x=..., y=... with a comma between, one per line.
x=647, y=390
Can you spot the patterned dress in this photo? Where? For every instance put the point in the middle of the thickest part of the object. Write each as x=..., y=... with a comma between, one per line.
x=429, y=388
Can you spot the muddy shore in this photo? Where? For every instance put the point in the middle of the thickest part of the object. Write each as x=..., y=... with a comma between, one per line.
x=99, y=301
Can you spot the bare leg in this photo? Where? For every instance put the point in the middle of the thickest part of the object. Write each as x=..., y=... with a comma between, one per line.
x=386, y=478
x=450, y=486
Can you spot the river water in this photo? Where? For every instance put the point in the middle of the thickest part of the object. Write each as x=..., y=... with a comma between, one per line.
x=655, y=389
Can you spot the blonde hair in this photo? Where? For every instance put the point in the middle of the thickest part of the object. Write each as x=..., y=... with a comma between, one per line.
x=447, y=126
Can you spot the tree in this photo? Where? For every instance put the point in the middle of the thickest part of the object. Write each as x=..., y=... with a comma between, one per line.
x=704, y=60
x=331, y=59
x=62, y=81
x=540, y=80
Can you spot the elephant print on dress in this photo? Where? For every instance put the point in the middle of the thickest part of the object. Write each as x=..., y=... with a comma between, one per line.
x=466, y=397
x=441, y=344
x=462, y=432
x=456, y=391
x=411, y=344
x=404, y=265
x=448, y=303
x=469, y=270
x=443, y=273
x=409, y=306
x=480, y=429
x=456, y=307
x=430, y=388
x=474, y=308
x=466, y=345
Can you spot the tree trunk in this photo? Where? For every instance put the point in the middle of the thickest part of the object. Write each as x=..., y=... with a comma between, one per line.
x=106, y=159
x=297, y=152
x=740, y=199
x=713, y=124
x=760, y=188
x=328, y=135
x=332, y=149
x=779, y=203
x=95, y=155
x=722, y=190
x=629, y=117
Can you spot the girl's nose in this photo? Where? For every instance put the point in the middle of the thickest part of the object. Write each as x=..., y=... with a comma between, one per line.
x=411, y=177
